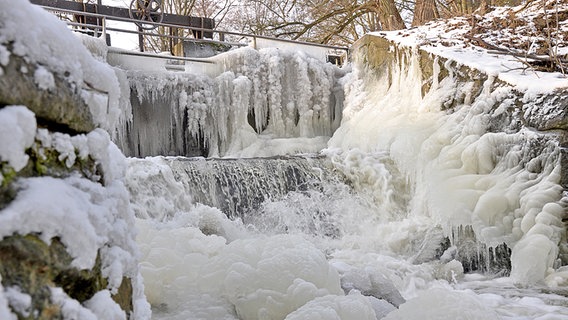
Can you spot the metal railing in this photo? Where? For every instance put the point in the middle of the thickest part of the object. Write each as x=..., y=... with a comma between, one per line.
x=102, y=29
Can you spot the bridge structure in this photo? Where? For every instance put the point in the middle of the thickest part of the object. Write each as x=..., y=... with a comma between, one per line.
x=191, y=39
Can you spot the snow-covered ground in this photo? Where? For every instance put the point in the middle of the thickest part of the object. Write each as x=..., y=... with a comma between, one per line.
x=510, y=43
x=417, y=172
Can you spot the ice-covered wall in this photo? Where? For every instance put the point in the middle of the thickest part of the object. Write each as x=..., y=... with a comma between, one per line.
x=67, y=243
x=466, y=143
x=249, y=97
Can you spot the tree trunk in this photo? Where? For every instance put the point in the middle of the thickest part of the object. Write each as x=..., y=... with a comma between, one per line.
x=425, y=11
x=389, y=17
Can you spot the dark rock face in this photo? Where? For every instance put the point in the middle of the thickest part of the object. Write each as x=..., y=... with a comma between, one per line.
x=26, y=262
x=34, y=266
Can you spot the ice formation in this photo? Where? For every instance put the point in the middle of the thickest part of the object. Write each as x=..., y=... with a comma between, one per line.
x=449, y=304
x=209, y=115
x=508, y=196
x=417, y=172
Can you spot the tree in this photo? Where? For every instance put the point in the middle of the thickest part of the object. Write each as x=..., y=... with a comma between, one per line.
x=339, y=22
x=425, y=11
x=389, y=16
x=323, y=21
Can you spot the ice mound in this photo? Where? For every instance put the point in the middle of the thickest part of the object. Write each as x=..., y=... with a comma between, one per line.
x=442, y=304
x=353, y=306
x=371, y=282
x=270, y=277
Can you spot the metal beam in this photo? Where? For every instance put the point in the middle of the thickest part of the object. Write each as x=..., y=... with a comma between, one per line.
x=169, y=18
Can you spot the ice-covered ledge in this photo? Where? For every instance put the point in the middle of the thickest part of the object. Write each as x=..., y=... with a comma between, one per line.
x=524, y=99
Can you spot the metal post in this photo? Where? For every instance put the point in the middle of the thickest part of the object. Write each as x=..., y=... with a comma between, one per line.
x=140, y=39
x=104, y=29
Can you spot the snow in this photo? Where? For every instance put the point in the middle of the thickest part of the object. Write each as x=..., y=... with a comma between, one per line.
x=44, y=79
x=102, y=305
x=48, y=44
x=70, y=308
x=17, y=131
x=4, y=56
x=407, y=159
x=454, y=39
x=18, y=300
x=5, y=312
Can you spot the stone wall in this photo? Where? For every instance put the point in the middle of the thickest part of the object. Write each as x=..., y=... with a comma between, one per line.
x=37, y=262
x=545, y=115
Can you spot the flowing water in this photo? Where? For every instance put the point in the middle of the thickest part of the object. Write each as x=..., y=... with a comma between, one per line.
x=406, y=212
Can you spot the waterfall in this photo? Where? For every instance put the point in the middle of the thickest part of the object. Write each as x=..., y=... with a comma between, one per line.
x=239, y=186
x=416, y=190
x=471, y=167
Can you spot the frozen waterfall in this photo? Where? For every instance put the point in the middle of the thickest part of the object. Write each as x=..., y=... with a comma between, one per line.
x=412, y=200
x=252, y=96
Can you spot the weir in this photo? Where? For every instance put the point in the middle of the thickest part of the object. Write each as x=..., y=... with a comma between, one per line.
x=457, y=157
x=446, y=174
x=239, y=187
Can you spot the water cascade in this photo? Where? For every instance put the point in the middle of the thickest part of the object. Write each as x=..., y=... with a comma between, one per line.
x=470, y=161
x=419, y=186
x=240, y=186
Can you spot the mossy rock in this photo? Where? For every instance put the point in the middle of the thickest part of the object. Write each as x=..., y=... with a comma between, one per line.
x=61, y=108
x=34, y=266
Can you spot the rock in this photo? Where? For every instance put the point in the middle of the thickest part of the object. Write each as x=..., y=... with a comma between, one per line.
x=546, y=113
x=66, y=240
x=57, y=105
x=36, y=267
x=30, y=264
